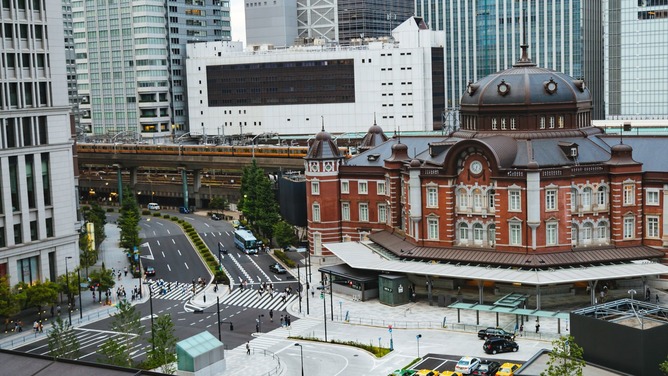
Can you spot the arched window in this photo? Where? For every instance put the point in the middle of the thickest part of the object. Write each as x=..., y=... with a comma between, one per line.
x=602, y=197
x=477, y=233
x=575, y=238
x=490, y=197
x=477, y=199
x=491, y=235
x=316, y=212
x=586, y=198
x=463, y=233
x=587, y=232
x=574, y=199
x=602, y=232
x=462, y=199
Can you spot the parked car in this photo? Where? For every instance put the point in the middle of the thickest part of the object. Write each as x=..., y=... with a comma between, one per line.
x=498, y=345
x=215, y=217
x=183, y=210
x=403, y=372
x=236, y=223
x=507, y=369
x=495, y=332
x=487, y=368
x=426, y=372
x=277, y=268
x=149, y=271
x=153, y=206
x=467, y=364
x=450, y=373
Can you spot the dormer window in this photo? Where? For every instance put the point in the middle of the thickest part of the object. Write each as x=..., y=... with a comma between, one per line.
x=542, y=122
x=494, y=126
x=551, y=86
x=570, y=149
x=503, y=124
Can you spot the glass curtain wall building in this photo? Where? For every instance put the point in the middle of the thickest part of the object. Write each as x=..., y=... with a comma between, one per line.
x=131, y=62
x=484, y=36
x=637, y=51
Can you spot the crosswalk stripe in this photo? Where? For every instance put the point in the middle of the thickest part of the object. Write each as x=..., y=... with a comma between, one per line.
x=176, y=293
x=252, y=299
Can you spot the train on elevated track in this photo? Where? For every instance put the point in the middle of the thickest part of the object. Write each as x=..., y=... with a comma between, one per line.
x=264, y=151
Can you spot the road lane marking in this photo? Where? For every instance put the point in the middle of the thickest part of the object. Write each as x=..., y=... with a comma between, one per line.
x=163, y=253
x=169, y=232
x=161, y=224
x=147, y=245
x=179, y=251
x=206, y=224
x=173, y=241
x=169, y=268
x=158, y=241
x=186, y=265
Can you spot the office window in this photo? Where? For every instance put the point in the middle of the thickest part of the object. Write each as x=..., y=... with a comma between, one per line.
x=382, y=213
x=652, y=197
x=515, y=234
x=316, y=212
x=364, y=212
x=551, y=199
x=380, y=187
x=432, y=228
x=315, y=187
x=551, y=234
x=432, y=197
x=652, y=227
x=345, y=211
x=629, y=191
x=345, y=186
x=363, y=187
x=514, y=203
x=629, y=225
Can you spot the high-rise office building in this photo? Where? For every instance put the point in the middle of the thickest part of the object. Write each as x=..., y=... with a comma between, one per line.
x=636, y=44
x=71, y=66
x=131, y=61
x=485, y=36
x=37, y=195
x=273, y=22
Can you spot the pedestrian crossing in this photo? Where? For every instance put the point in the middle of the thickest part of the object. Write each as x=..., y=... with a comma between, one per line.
x=254, y=299
x=173, y=291
x=268, y=341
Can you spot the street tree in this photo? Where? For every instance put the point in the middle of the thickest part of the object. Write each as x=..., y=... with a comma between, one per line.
x=103, y=279
x=217, y=204
x=69, y=285
x=126, y=322
x=98, y=217
x=565, y=358
x=663, y=366
x=284, y=233
x=40, y=294
x=62, y=340
x=163, y=349
x=128, y=222
x=10, y=302
x=87, y=255
x=257, y=200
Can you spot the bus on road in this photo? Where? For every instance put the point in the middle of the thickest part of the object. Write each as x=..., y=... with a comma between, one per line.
x=246, y=241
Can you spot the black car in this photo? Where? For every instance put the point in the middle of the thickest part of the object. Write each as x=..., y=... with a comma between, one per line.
x=498, y=345
x=215, y=217
x=149, y=271
x=486, y=368
x=277, y=268
x=495, y=332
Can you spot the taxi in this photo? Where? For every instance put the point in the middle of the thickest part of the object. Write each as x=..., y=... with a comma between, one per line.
x=507, y=369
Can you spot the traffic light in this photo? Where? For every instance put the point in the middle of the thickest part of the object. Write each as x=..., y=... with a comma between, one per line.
x=322, y=295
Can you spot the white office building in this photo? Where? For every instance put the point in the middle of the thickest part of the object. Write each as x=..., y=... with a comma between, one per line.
x=296, y=90
x=37, y=194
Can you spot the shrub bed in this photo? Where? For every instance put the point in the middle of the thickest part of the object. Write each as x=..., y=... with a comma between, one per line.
x=283, y=257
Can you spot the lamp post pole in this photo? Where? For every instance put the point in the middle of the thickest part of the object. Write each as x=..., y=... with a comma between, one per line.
x=220, y=337
x=67, y=282
x=300, y=288
x=301, y=355
x=324, y=309
x=79, y=280
x=150, y=299
x=417, y=337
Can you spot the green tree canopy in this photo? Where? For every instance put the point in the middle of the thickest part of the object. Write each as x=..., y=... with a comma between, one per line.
x=218, y=204
x=73, y=285
x=284, y=233
x=126, y=322
x=128, y=222
x=10, y=301
x=102, y=278
x=40, y=294
x=98, y=217
x=63, y=341
x=163, y=349
x=663, y=366
x=257, y=200
x=565, y=358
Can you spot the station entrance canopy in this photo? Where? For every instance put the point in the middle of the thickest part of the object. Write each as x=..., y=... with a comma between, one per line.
x=359, y=255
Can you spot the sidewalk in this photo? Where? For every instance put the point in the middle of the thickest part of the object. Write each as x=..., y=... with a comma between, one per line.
x=113, y=257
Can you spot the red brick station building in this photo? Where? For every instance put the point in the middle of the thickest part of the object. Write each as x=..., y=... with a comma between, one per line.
x=526, y=196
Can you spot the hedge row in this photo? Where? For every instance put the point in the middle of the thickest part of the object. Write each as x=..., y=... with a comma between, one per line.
x=283, y=257
x=204, y=251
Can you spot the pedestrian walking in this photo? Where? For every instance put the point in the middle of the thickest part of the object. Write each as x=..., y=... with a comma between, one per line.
x=521, y=330
x=271, y=315
x=247, y=348
x=58, y=309
x=312, y=292
x=537, y=326
x=287, y=321
x=282, y=320
x=41, y=327
x=657, y=298
x=125, y=271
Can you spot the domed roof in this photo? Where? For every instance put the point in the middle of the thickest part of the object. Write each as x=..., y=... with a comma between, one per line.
x=323, y=147
x=373, y=137
x=510, y=94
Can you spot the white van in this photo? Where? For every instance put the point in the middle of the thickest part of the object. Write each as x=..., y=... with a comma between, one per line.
x=153, y=206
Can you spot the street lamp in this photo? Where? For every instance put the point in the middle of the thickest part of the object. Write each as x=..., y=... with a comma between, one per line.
x=417, y=337
x=67, y=283
x=79, y=280
x=259, y=322
x=301, y=353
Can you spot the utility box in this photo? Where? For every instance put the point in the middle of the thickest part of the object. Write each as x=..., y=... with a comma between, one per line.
x=393, y=290
x=200, y=355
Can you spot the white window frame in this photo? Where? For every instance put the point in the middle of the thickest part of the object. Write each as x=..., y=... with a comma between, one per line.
x=432, y=228
x=551, y=233
x=551, y=199
x=652, y=223
x=585, y=198
x=602, y=196
x=345, y=186
x=363, y=212
x=432, y=197
x=363, y=187
x=477, y=199
x=345, y=211
x=652, y=197
x=478, y=233
x=315, y=208
x=602, y=231
x=463, y=232
x=515, y=233
x=381, y=188
x=382, y=213
x=587, y=232
x=462, y=199
x=629, y=227
x=514, y=200
x=315, y=188
x=629, y=191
